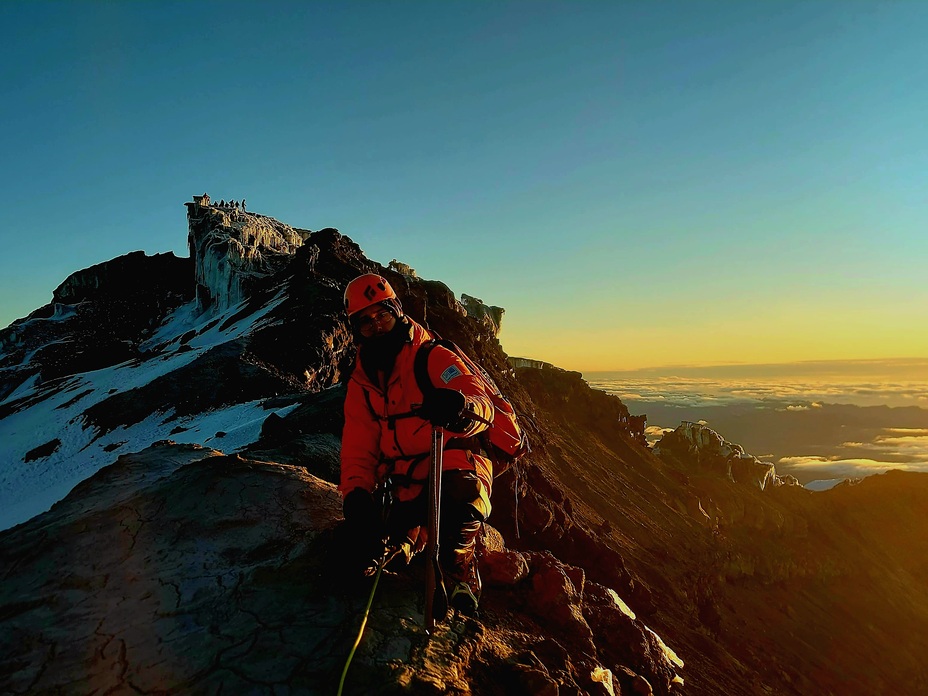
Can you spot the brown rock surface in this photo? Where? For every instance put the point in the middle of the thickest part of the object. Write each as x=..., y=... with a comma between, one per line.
x=182, y=570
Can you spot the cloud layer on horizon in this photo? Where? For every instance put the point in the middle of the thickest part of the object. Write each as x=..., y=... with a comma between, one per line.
x=818, y=468
x=891, y=448
x=890, y=369
x=703, y=391
x=872, y=442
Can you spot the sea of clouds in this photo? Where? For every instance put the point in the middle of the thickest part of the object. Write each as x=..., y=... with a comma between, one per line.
x=696, y=391
x=893, y=448
x=877, y=440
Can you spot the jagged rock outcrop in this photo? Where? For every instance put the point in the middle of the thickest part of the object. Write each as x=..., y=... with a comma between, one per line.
x=529, y=362
x=121, y=277
x=566, y=392
x=402, y=268
x=699, y=445
x=482, y=312
x=97, y=318
x=232, y=249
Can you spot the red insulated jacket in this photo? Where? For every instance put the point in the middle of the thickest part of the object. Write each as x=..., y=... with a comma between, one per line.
x=380, y=438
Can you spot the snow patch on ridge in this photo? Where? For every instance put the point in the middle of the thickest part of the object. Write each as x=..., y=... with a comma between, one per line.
x=28, y=489
x=46, y=412
x=208, y=326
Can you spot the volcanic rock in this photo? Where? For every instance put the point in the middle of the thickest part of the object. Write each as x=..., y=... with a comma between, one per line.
x=482, y=312
x=705, y=448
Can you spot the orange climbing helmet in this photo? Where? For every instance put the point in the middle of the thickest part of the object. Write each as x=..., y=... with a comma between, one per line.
x=369, y=289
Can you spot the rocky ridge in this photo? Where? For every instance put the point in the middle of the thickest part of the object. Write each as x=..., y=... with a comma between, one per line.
x=207, y=566
x=699, y=444
x=95, y=319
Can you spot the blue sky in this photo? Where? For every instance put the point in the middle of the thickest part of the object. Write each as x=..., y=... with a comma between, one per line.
x=638, y=183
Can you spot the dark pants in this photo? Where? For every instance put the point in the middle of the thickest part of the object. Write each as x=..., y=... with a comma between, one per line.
x=459, y=522
x=360, y=546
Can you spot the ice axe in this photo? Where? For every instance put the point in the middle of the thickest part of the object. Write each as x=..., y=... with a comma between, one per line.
x=434, y=587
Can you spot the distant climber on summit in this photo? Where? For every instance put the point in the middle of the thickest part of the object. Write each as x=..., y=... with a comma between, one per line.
x=386, y=441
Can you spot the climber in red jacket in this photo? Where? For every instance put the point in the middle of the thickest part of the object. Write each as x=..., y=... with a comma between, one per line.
x=387, y=437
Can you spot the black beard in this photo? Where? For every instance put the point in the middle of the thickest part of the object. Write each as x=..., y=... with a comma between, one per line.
x=378, y=353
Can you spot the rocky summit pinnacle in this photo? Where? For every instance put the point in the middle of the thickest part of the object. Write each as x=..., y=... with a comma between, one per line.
x=232, y=249
x=169, y=443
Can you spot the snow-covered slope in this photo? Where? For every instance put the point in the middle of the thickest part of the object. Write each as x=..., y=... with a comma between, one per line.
x=50, y=418
x=142, y=349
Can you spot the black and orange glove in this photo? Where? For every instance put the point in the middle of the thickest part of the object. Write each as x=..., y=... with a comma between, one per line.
x=445, y=408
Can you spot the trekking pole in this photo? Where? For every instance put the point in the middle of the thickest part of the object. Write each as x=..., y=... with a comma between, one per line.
x=432, y=569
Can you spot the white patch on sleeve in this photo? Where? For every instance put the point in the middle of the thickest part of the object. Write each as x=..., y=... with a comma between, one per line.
x=450, y=373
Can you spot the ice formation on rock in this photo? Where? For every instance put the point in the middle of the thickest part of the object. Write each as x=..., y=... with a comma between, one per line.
x=231, y=249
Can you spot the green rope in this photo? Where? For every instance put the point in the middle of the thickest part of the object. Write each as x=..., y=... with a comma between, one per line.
x=357, y=642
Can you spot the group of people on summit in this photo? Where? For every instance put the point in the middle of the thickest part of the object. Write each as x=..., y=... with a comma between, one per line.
x=234, y=205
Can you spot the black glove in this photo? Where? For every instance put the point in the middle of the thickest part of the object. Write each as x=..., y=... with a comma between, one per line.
x=444, y=408
x=360, y=510
x=359, y=539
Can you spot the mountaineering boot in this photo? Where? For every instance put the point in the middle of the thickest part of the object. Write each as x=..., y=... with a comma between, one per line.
x=461, y=521
x=460, y=566
x=465, y=592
